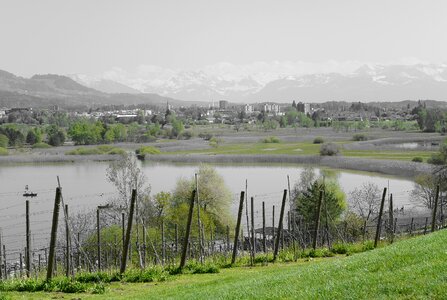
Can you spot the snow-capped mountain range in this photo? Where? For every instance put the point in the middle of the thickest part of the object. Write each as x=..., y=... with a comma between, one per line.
x=280, y=82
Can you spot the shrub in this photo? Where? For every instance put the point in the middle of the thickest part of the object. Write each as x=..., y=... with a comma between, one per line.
x=329, y=149
x=4, y=141
x=186, y=135
x=359, y=137
x=436, y=159
x=3, y=151
x=417, y=159
x=41, y=145
x=215, y=142
x=206, y=136
x=147, y=150
x=271, y=139
x=318, y=140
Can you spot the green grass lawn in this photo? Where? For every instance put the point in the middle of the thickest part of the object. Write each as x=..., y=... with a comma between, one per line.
x=303, y=148
x=411, y=269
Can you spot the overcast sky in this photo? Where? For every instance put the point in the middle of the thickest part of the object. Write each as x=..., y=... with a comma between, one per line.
x=93, y=36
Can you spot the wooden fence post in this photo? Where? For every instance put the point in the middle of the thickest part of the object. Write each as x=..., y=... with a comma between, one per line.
x=238, y=227
x=98, y=239
x=435, y=209
x=379, y=220
x=391, y=218
x=128, y=232
x=280, y=229
x=28, y=242
x=1, y=256
x=317, y=221
x=188, y=231
x=273, y=228
x=53, y=238
x=264, y=242
x=68, y=243
x=253, y=237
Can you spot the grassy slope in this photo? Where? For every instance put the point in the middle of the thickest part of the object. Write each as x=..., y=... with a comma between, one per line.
x=411, y=269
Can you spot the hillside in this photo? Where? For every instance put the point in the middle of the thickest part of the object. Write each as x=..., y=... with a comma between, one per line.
x=43, y=91
x=411, y=269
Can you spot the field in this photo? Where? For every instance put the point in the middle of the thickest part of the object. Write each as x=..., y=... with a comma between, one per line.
x=409, y=269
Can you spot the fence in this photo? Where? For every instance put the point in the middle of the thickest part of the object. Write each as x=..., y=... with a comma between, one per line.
x=124, y=238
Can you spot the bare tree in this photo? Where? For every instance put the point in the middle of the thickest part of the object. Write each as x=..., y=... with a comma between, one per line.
x=365, y=200
x=126, y=175
x=424, y=191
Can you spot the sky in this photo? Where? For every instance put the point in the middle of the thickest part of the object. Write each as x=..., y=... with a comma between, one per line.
x=95, y=36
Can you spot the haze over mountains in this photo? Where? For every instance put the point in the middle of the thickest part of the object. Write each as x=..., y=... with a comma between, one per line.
x=155, y=85
x=280, y=83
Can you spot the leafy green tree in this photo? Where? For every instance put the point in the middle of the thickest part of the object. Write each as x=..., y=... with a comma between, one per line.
x=15, y=136
x=177, y=127
x=55, y=135
x=304, y=120
x=4, y=141
x=34, y=136
x=85, y=132
x=214, y=196
x=334, y=202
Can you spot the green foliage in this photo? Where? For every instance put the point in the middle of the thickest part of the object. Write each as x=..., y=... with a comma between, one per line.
x=271, y=139
x=417, y=159
x=4, y=141
x=147, y=150
x=215, y=142
x=34, y=136
x=215, y=198
x=147, y=275
x=103, y=149
x=304, y=120
x=41, y=146
x=85, y=132
x=3, y=151
x=14, y=135
x=359, y=137
x=194, y=267
x=333, y=205
x=318, y=140
x=55, y=135
x=329, y=149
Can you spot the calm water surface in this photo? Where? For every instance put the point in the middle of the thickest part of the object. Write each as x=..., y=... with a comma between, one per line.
x=84, y=187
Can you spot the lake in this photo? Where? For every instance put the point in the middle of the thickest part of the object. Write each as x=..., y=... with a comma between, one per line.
x=84, y=186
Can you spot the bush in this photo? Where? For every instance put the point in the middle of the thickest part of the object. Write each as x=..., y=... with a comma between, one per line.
x=147, y=150
x=215, y=142
x=329, y=149
x=318, y=140
x=41, y=145
x=3, y=151
x=4, y=141
x=417, y=159
x=104, y=149
x=206, y=136
x=359, y=137
x=271, y=139
x=436, y=159
x=186, y=135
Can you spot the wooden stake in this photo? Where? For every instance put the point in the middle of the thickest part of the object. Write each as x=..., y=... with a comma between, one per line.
x=317, y=221
x=28, y=242
x=188, y=231
x=379, y=220
x=435, y=208
x=280, y=226
x=53, y=238
x=238, y=227
x=129, y=231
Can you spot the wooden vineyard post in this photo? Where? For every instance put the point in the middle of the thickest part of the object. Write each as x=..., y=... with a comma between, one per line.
x=379, y=220
x=98, y=240
x=391, y=218
x=273, y=228
x=238, y=227
x=264, y=242
x=128, y=232
x=280, y=227
x=317, y=221
x=1, y=257
x=188, y=231
x=28, y=243
x=53, y=238
x=253, y=237
x=435, y=209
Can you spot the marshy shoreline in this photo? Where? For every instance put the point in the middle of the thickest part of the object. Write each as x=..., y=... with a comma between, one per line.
x=388, y=167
